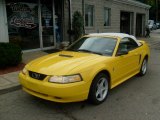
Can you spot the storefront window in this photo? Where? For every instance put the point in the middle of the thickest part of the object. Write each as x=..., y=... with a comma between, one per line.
x=23, y=23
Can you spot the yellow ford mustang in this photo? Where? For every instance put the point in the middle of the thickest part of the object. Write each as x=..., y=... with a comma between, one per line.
x=87, y=69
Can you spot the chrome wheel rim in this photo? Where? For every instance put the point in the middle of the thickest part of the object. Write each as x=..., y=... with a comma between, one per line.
x=144, y=66
x=102, y=89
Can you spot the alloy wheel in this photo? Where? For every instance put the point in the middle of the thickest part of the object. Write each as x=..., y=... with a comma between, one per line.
x=144, y=66
x=102, y=89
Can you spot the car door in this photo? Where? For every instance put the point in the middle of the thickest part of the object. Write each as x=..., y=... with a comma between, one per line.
x=126, y=60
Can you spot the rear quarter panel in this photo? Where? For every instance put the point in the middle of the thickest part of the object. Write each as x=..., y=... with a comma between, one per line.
x=144, y=48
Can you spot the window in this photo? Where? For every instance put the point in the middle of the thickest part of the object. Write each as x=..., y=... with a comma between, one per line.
x=101, y=45
x=89, y=15
x=107, y=15
x=127, y=44
x=23, y=23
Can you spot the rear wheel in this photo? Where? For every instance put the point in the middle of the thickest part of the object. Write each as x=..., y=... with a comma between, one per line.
x=143, y=69
x=99, y=89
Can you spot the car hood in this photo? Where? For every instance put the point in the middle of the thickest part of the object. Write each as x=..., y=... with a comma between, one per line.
x=61, y=63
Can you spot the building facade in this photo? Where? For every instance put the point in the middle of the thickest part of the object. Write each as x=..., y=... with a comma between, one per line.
x=42, y=24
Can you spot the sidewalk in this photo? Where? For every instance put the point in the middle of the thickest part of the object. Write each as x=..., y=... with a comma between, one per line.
x=9, y=82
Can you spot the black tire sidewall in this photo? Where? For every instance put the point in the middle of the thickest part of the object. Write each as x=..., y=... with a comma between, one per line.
x=92, y=93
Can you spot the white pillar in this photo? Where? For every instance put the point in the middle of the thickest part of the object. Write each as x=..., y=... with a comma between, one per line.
x=3, y=22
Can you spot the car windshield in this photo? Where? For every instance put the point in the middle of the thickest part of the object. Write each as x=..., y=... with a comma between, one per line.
x=95, y=45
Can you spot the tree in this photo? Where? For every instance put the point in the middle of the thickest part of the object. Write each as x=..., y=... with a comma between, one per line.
x=78, y=24
x=155, y=4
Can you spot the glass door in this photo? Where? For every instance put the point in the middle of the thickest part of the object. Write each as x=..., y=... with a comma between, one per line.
x=47, y=23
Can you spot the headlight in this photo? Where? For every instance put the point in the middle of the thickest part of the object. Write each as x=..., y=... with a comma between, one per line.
x=24, y=71
x=65, y=79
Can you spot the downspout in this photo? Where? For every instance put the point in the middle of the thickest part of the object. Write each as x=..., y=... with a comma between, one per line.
x=83, y=16
x=70, y=21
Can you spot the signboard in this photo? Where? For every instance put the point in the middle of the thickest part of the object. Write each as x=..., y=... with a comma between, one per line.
x=23, y=15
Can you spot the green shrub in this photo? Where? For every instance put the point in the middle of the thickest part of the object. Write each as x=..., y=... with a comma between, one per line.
x=78, y=24
x=10, y=54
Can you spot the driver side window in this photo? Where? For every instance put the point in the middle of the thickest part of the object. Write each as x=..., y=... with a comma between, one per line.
x=126, y=45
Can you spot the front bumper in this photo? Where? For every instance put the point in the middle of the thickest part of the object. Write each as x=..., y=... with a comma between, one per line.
x=71, y=92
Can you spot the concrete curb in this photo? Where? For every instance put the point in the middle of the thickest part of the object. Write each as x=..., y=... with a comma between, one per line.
x=10, y=89
x=9, y=82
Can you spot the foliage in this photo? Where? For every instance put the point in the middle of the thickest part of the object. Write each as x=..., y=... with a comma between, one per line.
x=77, y=23
x=10, y=55
x=154, y=10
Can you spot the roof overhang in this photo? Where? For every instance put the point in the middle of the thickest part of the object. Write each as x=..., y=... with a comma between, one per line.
x=133, y=3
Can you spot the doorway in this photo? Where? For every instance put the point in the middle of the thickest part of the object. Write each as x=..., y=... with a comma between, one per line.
x=140, y=25
x=51, y=17
x=126, y=22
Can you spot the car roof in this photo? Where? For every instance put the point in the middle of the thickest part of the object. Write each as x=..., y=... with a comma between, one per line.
x=120, y=35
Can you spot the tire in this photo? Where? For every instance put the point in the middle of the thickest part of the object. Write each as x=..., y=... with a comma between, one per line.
x=143, y=69
x=99, y=89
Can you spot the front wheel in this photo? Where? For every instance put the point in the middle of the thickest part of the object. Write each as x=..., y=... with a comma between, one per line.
x=143, y=69
x=99, y=89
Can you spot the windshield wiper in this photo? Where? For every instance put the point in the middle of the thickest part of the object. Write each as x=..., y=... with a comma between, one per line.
x=84, y=50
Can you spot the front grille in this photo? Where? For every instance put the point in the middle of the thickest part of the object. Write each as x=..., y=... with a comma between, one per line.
x=37, y=76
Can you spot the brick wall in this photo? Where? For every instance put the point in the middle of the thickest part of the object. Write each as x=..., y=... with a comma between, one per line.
x=116, y=8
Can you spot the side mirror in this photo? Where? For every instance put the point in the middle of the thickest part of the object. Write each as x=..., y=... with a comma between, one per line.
x=64, y=45
x=122, y=53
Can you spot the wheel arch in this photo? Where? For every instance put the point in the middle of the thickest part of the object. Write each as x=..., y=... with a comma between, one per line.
x=91, y=95
x=146, y=56
x=106, y=72
x=142, y=72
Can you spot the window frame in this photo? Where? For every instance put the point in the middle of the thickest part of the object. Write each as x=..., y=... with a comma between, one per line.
x=128, y=40
x=92, y=18
x=109, y=17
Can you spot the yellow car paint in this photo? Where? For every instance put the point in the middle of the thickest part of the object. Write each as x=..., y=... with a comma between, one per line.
x=119, y=69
